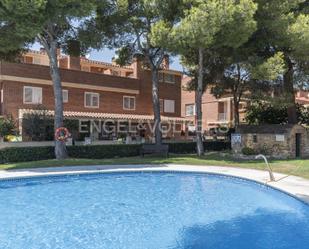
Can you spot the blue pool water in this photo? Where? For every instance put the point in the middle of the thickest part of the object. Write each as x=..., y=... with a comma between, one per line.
x=149, y=211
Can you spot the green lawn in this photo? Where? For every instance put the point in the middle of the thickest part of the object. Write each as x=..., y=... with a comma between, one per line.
x=293, y=167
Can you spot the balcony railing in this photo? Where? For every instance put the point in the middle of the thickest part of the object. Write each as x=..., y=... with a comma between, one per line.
x=222, y=117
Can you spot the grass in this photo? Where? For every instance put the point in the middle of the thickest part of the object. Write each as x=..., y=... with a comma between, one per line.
x=291, y=167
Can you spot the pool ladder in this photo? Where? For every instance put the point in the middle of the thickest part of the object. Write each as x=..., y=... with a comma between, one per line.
x=270, y=171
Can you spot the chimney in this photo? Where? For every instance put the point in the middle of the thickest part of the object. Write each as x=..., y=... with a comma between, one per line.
x=114, y=61
x=166, y=62
x=74, y=63
x=137, y=67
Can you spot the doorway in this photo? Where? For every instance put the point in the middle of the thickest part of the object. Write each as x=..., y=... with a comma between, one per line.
x=298, y=145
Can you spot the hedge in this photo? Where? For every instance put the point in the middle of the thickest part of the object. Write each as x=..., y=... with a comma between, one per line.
x=190, y=147
x=24, y=154
x=104, y=151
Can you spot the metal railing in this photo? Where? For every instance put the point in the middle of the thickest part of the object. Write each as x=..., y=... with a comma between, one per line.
x=270, y=171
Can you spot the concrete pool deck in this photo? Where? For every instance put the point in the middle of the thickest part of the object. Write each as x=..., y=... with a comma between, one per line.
x=296, y=186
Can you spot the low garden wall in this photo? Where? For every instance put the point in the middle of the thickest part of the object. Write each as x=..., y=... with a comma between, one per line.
x=24, y=154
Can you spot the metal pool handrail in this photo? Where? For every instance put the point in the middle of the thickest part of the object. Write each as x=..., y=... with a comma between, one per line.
x=270, y=171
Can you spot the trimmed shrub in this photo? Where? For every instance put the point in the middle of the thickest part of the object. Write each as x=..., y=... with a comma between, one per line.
x=248, y=151
x=104, y=151
x=182, y=148
x=217, y=145
x=190, y=147
x=25, y=154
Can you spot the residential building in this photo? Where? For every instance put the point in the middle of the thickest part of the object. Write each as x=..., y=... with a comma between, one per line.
x=218, y=112
x=92, y=90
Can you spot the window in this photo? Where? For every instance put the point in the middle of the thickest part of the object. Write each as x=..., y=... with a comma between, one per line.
x=255, y=139
x=91, y=100
x=28, y=59
x=128, y=103
x=32, y=95
x=190, y=110
x=36, y=61
x=169, y=78
x=169, y=106
x=65, y=96
x=161, y=105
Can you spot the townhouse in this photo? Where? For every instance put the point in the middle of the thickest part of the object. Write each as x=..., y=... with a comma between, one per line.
x=92, y=90
x=218, y=112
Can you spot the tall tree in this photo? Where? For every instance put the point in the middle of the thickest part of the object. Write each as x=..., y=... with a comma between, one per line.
x=245, y=76
x=140, y=31
x=206, y=26
x=51, y=23
x=283, y=26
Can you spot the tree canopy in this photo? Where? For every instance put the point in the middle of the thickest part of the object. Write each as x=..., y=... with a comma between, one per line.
x=52, y=23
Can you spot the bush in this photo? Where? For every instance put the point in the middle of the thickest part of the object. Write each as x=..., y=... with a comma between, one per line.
x=190, y=147
x=38, y=126
x=182, y=148
x=217, y=145
x=24, y=154
x=248, y=151
x=104, y=151
x=7, y=126
x=263, y=112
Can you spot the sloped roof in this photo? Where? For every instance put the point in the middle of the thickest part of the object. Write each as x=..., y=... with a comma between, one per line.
x=102, y=115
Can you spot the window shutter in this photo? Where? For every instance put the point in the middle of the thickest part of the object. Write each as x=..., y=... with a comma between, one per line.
x=161, y=105
x=65, y=96
x=169, y=106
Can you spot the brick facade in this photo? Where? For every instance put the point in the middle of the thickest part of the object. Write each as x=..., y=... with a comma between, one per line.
x=15, y=76
x=216, y=112
x=80, y=75
x=219, y=111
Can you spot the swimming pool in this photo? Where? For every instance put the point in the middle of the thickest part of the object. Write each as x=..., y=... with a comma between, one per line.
x=158, y=210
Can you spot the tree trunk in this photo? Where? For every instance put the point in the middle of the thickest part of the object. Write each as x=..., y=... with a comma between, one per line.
x=156, y=106
x=288, y=84
x=198, y=104
x=236, y=111
x=60, y=147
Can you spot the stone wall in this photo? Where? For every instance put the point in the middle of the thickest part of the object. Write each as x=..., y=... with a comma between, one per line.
x=267, y=144
x=274, y=145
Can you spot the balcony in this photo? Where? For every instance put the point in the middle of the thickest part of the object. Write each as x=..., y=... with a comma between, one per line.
x=222, y=117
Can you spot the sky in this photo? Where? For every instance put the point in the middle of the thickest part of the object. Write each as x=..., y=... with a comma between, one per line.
x=106, y=55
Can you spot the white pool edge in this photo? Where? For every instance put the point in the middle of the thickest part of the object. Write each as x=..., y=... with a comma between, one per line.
x=292, y=185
